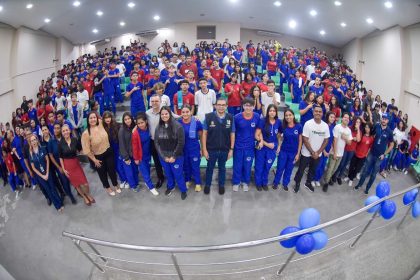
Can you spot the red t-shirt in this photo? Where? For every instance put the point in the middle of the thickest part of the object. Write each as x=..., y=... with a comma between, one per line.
x=140, y=74
x=218, y=76
x=185, y=68
x=186, y=99
x=234, y=100
x=362, y=148
x=327, y=96
x=88, y=85
x=263, y=87
x=247, y=87
x=271, y=66
x=251, y=52
x=25, y=118
x=10, y=163
x=352, y=146
x=336, y=111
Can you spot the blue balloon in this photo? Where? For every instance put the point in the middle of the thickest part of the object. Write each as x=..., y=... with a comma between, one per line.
x=370, y=200
x=383, y=189
x=305, y=244
x=309, y=218
x=410, y=196
x=388, y=209
x=320, y=238
x=291, y=242
x=415, y=211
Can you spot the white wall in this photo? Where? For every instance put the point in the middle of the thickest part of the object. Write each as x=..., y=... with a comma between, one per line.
x=287, y=41
x=352, y=53
x=6, y=92
x=67, y=52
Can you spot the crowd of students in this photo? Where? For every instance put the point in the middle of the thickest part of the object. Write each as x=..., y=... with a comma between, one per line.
x=217, y=101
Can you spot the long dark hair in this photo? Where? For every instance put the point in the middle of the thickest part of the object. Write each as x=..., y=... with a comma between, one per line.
x=170, y=121
x=353, y=127
x=284, y=117
x=88, y=116
x=112, y=129
x=128, y=114
x=267, y=119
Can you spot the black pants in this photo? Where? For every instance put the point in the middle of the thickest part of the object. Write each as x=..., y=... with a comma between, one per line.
x=303, y=163
x=356, y=165
x=107, y=168
x=3, y=169
x=156, y=160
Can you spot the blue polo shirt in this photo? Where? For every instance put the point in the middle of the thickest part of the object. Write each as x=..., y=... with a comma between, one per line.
x=382, y=138
x=191, y=144
x=291, y=138
x=270, y=131
x=245, y=131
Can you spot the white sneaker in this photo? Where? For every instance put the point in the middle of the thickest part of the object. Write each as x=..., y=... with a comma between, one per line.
x=17, y=194
x=235, y=188
x=188, y=184
x=123, y=185
x=346, y=179
x=405, y=171
x=154, y=192
x=350, y=183
x=358, y=176
x=395, y=168
x=33, y=187
x=313, y=184
x=246, y=188
x=317, y=183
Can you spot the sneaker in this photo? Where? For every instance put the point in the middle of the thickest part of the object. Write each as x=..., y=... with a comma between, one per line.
x=33, y=187
x=366, y=192
x=136, y=189
x=198, y=188
x=325, y=188
x=183, y=195
x=317, y=183
x=395, y=168
x=122, y=185
x=265, y=188
x=17, y=194
x=346, y=179
x=309, y=187
x=383, y=174
x=246, y=188
x=356, y=188
x=189, y=184
x=333, y=179
x=331, y=182
x=313, y=184
x=221, y=190
x=154, y=192
x=259, y=188
x=275, y=187
x=350, y=183
x=296, y=188
x=286, y=188
x=126, y=185
x=206, y=190
x=358, y=176
x=168, y=192
x=339, y=181
x=235, y=188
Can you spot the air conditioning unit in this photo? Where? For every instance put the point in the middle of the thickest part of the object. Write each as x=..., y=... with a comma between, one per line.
x=101, y=42
x=147, y=33
x=268, y=33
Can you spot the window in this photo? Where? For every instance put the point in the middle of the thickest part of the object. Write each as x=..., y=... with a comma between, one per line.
x=206, y=32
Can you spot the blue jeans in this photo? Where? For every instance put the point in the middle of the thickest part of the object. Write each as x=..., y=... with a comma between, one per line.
x=371, y=166
x=220, y=157
x=345, y=160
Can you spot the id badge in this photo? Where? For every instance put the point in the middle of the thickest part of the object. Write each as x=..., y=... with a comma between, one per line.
x=42, y=169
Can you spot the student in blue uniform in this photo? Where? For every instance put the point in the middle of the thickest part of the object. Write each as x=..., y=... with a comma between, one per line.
x=135, y=91
x=171, y=83
x=268, y=136
x=317, y=88
x=32, y=113
x=109, y=92
x=114, y=74
x=289, y=150
x=244, y=151
x=284, y=73
x=297, y=88
x=305, y=108
x=193, y=130
x=142, y=154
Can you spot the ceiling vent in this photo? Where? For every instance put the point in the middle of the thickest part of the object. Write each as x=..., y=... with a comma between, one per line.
x=100, y=42
x=147, y=33
x=268, y=33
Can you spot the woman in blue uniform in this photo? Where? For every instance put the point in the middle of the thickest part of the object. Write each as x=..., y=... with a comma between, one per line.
x=305, y=108
x=244, y=149
x=193, y=130
x=297, y=88
x=289, y=151
x=268, y=135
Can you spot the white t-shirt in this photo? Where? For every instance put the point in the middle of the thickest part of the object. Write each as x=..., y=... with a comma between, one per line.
x=121, y=68
x=83, y=98
x=204, y=103
x=316, y=134
x=267, y=100
x=398, y=135
x=60, y=103
x=164, y=100
x=338, y=131
x=309, y=70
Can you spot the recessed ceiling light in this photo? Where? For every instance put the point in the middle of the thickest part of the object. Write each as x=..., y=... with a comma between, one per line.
x=337, y=3
x=369, y=20
x=292, y=23
x=343, y=24
x=99, y=13
x=1, y=8
x=76, y=3
x=388, y=4
x=29, y=6
x=47, y=20
x=122, y=23
x=277, y=3
x=322, y=32
x=233, y=1
x=131, y=5
x=156, y=17
x=313, y=13
x=95, y=30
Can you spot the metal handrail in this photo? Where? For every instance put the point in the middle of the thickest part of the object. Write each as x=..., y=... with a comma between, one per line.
x=194, y=249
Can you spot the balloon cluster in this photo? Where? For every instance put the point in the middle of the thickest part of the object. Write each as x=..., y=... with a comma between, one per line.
x=410, y=197
x=387, y=208
x=308, y=242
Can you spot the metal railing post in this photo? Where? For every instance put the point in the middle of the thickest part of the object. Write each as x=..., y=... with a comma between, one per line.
x=405, y=216
x=286, y=263
x=96, y=251
x=364, y=229
x=76, y=243
x=178, y=269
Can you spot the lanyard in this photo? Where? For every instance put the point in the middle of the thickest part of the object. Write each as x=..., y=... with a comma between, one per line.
x=41, y=168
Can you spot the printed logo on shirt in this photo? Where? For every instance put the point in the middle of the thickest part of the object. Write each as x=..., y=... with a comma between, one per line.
x=269, y=161
x=319, y=133
x=195, y=158
x=276, y=131
x=252, y=124
x=248, y=159
x=296, y=132
x=212, y=124
x=176, y=166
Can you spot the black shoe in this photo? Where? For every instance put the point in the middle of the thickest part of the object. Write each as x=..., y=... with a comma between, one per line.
x=339, y=181
x=206, y=190
x=331, y=182
x=259, y=188
x=265, y=188
x=159, y=183
x=183, y=195
x=221, y=190
x=168, y=192
x=325, y=188
x=73, y=200
x=366, y=192
x=286, y=188
x=275, y=187
x=309, y=187
x=296, y=188
x=49, y=202
x=334, y=179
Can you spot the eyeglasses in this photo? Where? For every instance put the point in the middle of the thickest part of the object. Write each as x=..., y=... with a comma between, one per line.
x=221, y=105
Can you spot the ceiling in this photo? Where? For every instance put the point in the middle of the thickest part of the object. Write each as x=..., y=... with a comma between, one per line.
x=76, y=23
